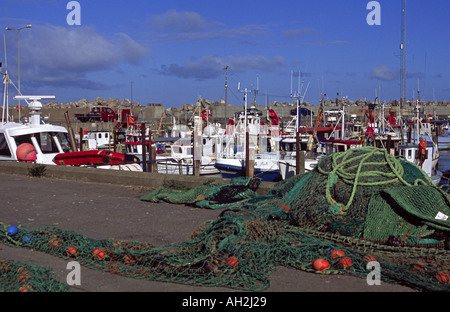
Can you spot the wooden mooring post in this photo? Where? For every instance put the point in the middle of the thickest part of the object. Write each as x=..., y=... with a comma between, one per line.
x=144, y=153
x=299, y=155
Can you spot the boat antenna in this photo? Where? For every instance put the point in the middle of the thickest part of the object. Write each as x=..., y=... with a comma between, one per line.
x=5, y=85
x=298, y=95
x=403, y=57
x=35, y=105
x=245, y=91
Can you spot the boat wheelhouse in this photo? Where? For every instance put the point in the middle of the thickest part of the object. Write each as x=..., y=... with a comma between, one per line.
x=47, y=140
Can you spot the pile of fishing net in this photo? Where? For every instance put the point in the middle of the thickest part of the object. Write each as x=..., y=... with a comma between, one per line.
x=211, y=195
x=355, y=208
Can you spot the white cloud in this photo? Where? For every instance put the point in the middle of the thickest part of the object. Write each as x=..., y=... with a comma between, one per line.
x=178, y=21
x=187, y=26
x=65, y=55
x=256, y=62
x=383, y=72
x=205, y=68
x=299, y=32
x=211, y=66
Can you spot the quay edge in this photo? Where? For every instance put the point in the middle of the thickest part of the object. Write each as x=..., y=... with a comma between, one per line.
x=145, y=180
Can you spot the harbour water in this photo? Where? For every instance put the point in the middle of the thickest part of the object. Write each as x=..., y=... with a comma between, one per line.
x=444, y=161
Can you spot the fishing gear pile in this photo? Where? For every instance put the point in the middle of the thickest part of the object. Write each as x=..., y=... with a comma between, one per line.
x=356, y=210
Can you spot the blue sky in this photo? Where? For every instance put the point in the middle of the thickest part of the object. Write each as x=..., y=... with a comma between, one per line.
x=173, y=52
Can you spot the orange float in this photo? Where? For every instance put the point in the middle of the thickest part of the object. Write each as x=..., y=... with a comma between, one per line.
x=345, y=263
x=72, y=251
x=232, y=262
x=99, y=254
x=443, y=277
x=335, y=254
x=320, y=264
x=369, y=258
x=26, y=153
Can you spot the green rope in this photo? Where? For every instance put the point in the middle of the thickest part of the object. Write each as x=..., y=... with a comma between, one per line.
x=349, y=167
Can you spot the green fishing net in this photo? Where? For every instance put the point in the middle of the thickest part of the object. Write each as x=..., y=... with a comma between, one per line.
x=17, y=276
x=363, y=202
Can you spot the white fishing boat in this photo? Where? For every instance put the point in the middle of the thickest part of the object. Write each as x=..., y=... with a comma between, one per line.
x=427, y=130
x=46, y=140
x=95, y=140
x=287, y=154
x=422, y=155
x=181, y=160
x=265, y=166
x=247, y=131
x=32, y=140
x=173, y=155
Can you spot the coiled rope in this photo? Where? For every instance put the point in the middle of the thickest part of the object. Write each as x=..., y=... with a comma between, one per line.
x=348, y=167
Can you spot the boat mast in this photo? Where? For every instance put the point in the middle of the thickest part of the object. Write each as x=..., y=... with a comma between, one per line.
x=403, y=57
x=5, y=96
x=300, y=98
x=6, y=82
x=226, y=92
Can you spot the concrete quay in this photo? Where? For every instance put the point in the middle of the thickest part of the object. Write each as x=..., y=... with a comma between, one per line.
x=143, y=180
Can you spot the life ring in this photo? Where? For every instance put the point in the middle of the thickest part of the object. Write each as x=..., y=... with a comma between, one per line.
x=18, y=108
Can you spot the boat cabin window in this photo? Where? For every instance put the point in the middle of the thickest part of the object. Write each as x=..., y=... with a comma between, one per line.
x=288, y=147
x=340, y=148
x=63, y=139
x=176, y=149
x=45, y=141
x=4, y=148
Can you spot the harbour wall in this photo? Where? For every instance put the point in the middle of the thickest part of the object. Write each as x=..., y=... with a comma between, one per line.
x=144, y=180
x=155, y=114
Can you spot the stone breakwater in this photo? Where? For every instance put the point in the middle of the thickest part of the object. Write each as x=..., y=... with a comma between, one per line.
x=155, y=113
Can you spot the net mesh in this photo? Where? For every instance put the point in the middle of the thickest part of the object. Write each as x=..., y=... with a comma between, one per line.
x=363, y=202
x=17, y=276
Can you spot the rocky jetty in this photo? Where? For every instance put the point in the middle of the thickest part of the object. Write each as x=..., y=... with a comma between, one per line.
x=98, y=101
x=219, y=111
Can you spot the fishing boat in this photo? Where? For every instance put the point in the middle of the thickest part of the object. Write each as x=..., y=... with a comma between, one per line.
x=337, y=135
x=46, y=140
x=95, y=140
x=181, y=160
x=245, y=133
x=173, y=155
x=288, y=155
x=32, y=140
x=429, y=129
x=422, y=155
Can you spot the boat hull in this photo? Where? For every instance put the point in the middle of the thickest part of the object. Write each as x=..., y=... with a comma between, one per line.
x=288, y=168
x=232, y=168
x=184, y=166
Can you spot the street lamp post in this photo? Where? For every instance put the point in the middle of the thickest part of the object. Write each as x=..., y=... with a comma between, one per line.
x=18, y=56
